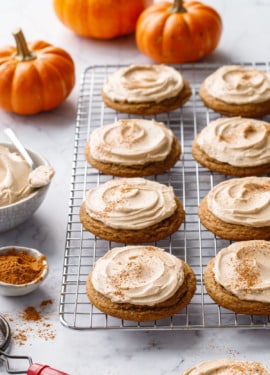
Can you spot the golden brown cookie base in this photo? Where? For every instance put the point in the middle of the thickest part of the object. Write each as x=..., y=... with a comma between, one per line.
x=150, y=108
x=229, y=231
x=225, y=168
x=137, y=170
x=225, y=299
x=244, y=110
x=138, y=313
x=151, y=234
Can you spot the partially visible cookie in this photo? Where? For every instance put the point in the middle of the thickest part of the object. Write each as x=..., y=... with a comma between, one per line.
x=146, y=89
x=238, y=209
x=140, y=283
x=238, y=277
x=228, y=366
x=234, y=146
x=234, y=90
x=133, y=148
x=131, y=210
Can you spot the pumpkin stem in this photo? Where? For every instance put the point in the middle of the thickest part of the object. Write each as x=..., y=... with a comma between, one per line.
x=178, y=7
x=23, y=53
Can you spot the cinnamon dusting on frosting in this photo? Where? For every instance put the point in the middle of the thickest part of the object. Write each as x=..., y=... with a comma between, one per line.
x=243, y=268
x=131, y=141
x=239, y=85
x=237, y=141
x=130, y=203
x=141, y=275
x=243, y=201
x=247, y=275
x=143, y=83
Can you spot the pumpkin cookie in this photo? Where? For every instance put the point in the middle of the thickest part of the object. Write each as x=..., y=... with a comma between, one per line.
x=234, y=146
x=131, y=210
x=126, y=283
x=238, y=209
x=133, y=148
x=228, y=366
x=234, y=90
x=238, y=277
x=146, y=89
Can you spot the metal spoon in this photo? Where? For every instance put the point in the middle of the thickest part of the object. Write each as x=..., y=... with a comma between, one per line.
x=10, y=133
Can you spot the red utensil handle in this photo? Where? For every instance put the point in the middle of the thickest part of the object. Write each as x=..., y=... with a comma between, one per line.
x=38, y=369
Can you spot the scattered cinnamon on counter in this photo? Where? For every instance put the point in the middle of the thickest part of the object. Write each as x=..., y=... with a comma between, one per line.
x=46, y=302
x=20, y=337
x=32, y=322
x=20, y=268
x=30, y=313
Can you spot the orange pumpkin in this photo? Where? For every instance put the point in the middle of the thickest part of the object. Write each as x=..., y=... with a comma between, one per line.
x=181, y=32
x=34, y=77
x=100, y=19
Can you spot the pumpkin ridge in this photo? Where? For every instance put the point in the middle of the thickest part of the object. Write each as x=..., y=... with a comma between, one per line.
x=174, y=42
x=158, y=38
x=62, y=75
x=26, y=83
x=7, y=72
x=56, y=87
x=38, y=45
x=6, y=53
x=53, y=51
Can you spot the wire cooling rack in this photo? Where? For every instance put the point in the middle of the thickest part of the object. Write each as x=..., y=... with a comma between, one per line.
x=191, y=182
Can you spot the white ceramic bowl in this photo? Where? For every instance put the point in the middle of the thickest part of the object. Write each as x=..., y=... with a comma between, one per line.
x=13, y=290
x=16, y=213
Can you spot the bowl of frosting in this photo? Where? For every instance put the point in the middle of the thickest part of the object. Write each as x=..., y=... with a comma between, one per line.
x=22, y=270
x=22, y=188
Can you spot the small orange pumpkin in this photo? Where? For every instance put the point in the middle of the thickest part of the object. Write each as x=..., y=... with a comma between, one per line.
x=34, y=77
x=100, y=19
x=181, y=32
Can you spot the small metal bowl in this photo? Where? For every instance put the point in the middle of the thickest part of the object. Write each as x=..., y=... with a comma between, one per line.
x=13, y=290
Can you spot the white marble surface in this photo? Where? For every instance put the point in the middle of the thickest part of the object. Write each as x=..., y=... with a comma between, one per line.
x=246, y=37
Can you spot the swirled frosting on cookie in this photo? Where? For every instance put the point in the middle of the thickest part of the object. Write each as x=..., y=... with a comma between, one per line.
x=242, y=201
x=237, y=141
x=143, y=83
x=243, y=269
x=228, y=366
x=239, y=85
x=17, y=179
x=131, y=141
x=130, y=203
x=140, y=275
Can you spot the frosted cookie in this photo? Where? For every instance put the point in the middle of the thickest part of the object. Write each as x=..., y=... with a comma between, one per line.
x=146, y=89
x=140, y=283
x=238, y=278
x=238, y=209
x=133, y=148
x=234, y=90
x=228, y=366
x=234, y=146
x=131, y=210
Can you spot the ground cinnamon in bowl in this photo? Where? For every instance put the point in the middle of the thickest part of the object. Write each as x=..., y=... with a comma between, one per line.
x=20, y=267
x=21, y=270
